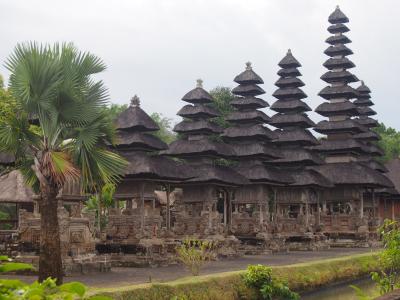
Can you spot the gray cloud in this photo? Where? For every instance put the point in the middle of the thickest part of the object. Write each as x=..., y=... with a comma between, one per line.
x=158, y=48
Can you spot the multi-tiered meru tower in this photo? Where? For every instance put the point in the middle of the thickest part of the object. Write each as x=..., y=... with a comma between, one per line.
x=344, y=205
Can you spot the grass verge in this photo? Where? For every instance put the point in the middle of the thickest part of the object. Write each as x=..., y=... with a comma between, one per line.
x=229, y=285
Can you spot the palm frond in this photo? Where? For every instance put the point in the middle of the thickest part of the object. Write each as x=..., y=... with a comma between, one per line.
x=58, y=166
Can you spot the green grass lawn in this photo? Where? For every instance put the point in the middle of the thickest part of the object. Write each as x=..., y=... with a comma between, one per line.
x=229, y=285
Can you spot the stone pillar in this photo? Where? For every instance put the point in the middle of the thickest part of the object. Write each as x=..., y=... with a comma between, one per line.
x=225, y=209
x=168, y=215
x=261, y=214
x=142, y=207
x=362, y=205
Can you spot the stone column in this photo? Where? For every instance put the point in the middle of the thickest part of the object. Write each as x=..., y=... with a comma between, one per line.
x=362, y=205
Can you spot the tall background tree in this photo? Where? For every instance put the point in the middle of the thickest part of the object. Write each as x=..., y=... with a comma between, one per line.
x=54, y=86
x=390, y=142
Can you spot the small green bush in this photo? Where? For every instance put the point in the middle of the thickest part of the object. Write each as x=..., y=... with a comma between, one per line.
x=194, y=253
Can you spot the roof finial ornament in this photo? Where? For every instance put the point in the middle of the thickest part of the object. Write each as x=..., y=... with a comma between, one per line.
x=199, y=83
x=248, y=66
x=337, y=6
x=135, y=101
x=362, y=82
x=289, y=51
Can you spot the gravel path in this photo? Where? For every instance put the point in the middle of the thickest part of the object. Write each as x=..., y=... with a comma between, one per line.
x=127, y=276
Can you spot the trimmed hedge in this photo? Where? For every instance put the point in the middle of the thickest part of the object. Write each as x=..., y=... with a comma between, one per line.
x=229, y=285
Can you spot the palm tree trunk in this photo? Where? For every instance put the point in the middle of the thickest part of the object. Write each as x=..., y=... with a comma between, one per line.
x=50, y=262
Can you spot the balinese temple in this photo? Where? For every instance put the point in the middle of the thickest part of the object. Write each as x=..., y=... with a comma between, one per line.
x=345, y=212
x=143, y=217
x=252, y=144
x=206, y=207
x=298, y=204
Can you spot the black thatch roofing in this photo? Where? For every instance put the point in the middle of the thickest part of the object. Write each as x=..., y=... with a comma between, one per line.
x=393, y=167
x=368, y=122
x=366, y=111
x=248, y=76
x=255, y=132
x=343, y=91
x=289, y=61
x=297, y=156
x=294, y=105
x=309, y=178
x=138, y=140
x=375, y=150
x=338, y=63
x=338, y=39
x=135, y=119
x=340, y=146
x=353, y=173
x=6, y=159
x=13, y=188
x=338, y=17
x=287, y=120
x=256, y=150
x=363, y=102
x=327, y=109
x=198, y=95
x=367, y=136
x=248, y=90
x=349, y=125
x=363, y=89
x=244, y=117
x=338, y=28
x=339, y=76
x=374, y=164
x=289, y=82
x=289, y=93
x=289, y=72
x=258, y=173
x=204, y=147
x=198, y=111
x=220, y=175
x=338, y=50
x=153, y=167
x=248, y=103
x=297, y=136
x=197, y=127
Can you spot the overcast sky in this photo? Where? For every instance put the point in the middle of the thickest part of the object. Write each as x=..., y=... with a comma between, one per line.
x=158, y=48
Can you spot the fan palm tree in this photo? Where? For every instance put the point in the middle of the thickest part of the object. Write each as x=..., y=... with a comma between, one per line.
x=54, y=89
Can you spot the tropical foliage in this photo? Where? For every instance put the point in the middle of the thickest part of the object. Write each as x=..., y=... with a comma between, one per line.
x=194, y=254
x=165, y=133
x=222, y=97
x=53, y=88
x=390, y=142
x=260, y=277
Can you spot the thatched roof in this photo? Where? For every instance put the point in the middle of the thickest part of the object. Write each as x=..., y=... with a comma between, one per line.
x=338, y=50
x=343, y=91
x=363, y=89
x=367, y=122
x=143, y=166
x=297, y=156
x=286, y=120
x=353, y=173
x=253, y=132
x=293, y=105
x=284, y=82
x=264, y=174
x=255, y=150
x=197, y=127
x=366, y=111
x=338, y=39
x=248, y=103
x=289, y=72
x=349, y=125
x=338, y=17
x=376, y=165
x=327, y=109
x=393, y=167
x=363, y=102
x=197, y=111
x=135, y=119
x=340, y=146
x=138, y=140
x=250, y=116
x=219, y=175
x=248, y=76
x=338, y=63
x=204, y=147
x=198, y=95
x=367, y=136
x=375, y=150
x=289, y=61
x=309, y=178
x=289, y=93
x=339, y=76
x=338, y=28
x=248, y=90
x=14, y=189
x=296, y=136
x=6, y=159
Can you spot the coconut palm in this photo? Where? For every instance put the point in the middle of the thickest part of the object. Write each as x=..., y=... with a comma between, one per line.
x=55, y=90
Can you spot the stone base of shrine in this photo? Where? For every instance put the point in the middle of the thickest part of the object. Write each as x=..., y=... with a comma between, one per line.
x=352, y=239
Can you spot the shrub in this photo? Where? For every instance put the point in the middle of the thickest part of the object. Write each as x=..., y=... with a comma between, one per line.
x=260, y=277
x=194, y=253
